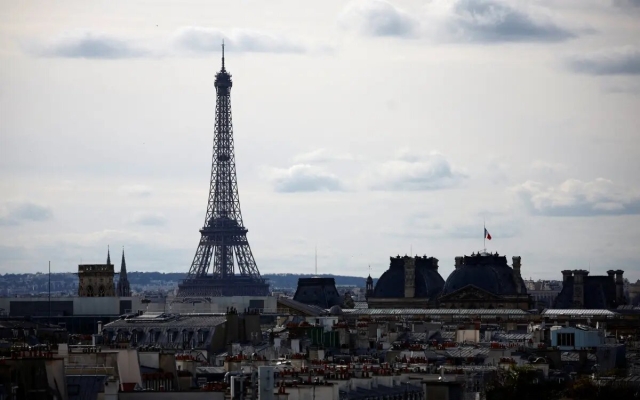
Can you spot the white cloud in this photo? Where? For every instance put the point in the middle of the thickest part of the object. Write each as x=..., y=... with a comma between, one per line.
x=498, y=21
x=577, y=198
x=627, y=3
x=186, y=40
x=87, y=44
x=482, y=21
x=15, y=213
x=548, y=168
x=378, y=18
x=415, y=171
x=615, y=61
x=304, y=178
x=148, y=219
x=197, y=39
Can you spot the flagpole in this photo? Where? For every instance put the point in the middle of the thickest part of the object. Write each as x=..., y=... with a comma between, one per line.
x=484, y=235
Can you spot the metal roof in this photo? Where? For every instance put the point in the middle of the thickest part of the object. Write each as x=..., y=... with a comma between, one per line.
x=513, y=336
x=307, y=309
x=434, y=311
x=466, y=352
x=162, y=322
x=579, y=312
x=574, y=357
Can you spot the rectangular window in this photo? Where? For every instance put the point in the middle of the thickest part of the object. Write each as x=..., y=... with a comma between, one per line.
x=567, y=339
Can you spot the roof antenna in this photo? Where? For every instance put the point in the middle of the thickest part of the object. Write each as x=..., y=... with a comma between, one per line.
x=223, y=54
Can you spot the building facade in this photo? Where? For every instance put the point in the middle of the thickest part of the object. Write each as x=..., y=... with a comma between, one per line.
x=579, y=290
x=409, y=282
x=96, y=280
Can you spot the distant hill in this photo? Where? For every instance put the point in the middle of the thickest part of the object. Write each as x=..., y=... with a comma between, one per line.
x=38, y=283
x=275, y=280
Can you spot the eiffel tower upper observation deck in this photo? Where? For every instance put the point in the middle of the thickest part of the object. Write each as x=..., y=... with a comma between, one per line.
x=223, y=240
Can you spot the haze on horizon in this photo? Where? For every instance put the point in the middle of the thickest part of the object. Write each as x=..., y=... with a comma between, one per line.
x=364, y=128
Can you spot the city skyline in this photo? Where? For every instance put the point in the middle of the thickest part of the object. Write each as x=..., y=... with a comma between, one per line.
x=367, y=129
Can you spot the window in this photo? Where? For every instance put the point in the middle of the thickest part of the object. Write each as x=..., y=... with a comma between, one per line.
x=566, y=339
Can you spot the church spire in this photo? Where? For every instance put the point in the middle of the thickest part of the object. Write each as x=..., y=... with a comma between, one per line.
x=108, y=256
x=124, y=289
x=123, y=266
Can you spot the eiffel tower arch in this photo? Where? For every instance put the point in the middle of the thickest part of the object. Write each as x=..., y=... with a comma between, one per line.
x=223, y=245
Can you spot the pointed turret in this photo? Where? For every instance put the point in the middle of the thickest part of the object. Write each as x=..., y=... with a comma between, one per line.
x=124, y=290
x=108, y=256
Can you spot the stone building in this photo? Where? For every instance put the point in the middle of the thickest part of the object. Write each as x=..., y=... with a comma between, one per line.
x=96, y=280
x=579, y=290
x=485, y=280
x=410, y=282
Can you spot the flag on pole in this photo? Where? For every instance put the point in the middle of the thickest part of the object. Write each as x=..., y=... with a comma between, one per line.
x=487, y=235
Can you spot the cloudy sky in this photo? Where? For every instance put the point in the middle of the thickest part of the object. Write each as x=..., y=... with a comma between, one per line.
x=366, y=128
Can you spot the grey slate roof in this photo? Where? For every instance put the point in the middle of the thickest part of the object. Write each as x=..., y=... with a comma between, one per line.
x=486, y=271
x=428, y=282
x=318, y=291
x=165, y=329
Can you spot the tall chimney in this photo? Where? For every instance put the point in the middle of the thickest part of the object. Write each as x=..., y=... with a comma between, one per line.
x=565, y=275
x=517, y=264
x=409, y=277
x=517, y=276
x=578, y=287
x=619, y=287
x=459, y=261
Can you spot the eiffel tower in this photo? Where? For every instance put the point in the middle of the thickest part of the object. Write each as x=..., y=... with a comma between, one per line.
x=223, y=238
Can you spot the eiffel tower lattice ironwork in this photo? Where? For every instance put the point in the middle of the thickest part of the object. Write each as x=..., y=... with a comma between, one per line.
x=223, y=240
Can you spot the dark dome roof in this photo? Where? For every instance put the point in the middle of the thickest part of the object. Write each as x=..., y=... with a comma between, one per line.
x=428, y=282
x=335, y=310
x=489, y=272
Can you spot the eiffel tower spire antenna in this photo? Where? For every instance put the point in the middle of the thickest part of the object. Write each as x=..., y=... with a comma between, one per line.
x=223, y=54
x=223, y=245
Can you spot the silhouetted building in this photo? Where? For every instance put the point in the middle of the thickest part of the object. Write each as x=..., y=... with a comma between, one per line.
x=410, y=282
x=579, y=290
x=318, y=291
x=369, y=287
x=485, y=280
x=124, y=289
